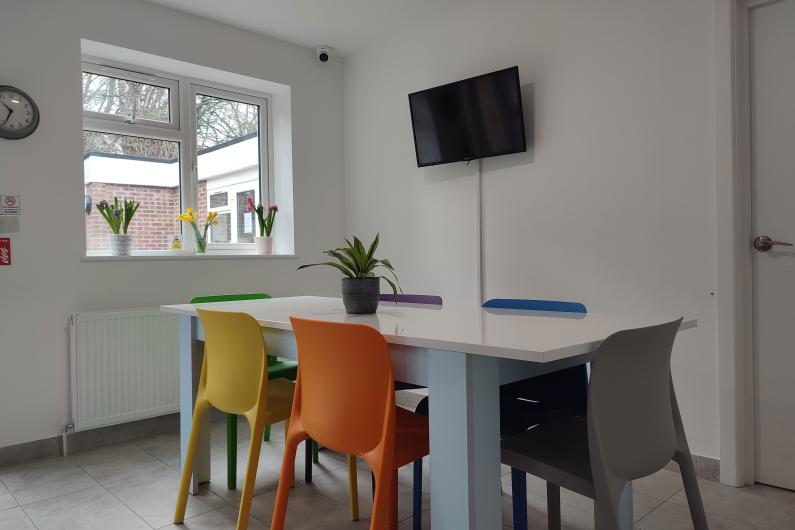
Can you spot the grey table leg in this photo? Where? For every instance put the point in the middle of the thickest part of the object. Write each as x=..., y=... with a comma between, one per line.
x=191, y=354
x=625, y=510
x=465, y=445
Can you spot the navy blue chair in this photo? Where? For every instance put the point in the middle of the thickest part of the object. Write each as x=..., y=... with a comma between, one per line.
x=533, y=401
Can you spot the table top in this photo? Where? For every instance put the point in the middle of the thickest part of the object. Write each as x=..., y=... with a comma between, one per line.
x=535, y=336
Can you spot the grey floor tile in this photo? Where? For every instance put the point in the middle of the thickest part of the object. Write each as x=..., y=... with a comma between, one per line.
x=572, y=518
x=746, y=505
x=221, y=519
x=267, y=478
x=335, y=486
x=15, y=519
x=89, y=509
x=308, y=510
x=6, y=499
x=660, y=485
x=117, y=462
x=153, y=496
x=670, y=516
x=42, y=479
x=273, y=451
x=164, y=447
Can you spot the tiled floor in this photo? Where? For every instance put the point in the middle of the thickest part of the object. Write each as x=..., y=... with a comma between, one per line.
x=133, y=486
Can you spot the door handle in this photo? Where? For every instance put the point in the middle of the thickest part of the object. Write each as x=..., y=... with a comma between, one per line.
x=765, y=243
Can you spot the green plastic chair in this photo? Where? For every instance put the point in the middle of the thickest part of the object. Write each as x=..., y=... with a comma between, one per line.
x=277, y=369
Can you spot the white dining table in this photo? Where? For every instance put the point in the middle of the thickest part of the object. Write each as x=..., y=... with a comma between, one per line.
x=461, y=353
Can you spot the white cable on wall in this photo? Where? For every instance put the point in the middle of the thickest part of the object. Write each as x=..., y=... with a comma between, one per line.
x=479, y=218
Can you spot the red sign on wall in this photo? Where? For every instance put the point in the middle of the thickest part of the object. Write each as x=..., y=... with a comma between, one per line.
x=5, y=251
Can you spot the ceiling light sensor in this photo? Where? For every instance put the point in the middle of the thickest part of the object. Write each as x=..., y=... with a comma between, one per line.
x=324, y=53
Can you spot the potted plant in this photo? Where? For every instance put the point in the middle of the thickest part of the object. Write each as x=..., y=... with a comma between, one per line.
x=118, y=216
x=201, y=235
x=361, y=285
x=263, y=241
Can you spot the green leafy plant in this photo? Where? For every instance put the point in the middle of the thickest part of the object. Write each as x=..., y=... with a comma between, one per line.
x=118, y=215
x=356, y=261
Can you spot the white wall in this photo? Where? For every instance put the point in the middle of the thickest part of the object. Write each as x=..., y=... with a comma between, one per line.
x=614, y=203
x=40, y=53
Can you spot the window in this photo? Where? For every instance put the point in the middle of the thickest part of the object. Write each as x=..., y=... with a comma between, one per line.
x=136, y=147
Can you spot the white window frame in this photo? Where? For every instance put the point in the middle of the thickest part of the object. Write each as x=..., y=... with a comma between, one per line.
x=183, y=91
x=148, y=79
x=264, y=190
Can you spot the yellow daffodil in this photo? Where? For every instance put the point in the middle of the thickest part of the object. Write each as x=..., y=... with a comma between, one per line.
x=188, y=217
x=216, y=222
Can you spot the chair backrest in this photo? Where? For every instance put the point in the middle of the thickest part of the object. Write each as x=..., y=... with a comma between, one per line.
x=630, y=415
x=234, y=356
x=535, y=305
x=229, y=298
x=427, y=299
x=345, y=390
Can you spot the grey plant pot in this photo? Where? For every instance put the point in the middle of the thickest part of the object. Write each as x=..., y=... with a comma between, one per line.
x=360, y=295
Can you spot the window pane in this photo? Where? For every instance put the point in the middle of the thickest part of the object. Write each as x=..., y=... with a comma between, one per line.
x=222, y=232
x=218, y=200
x=245, y=221
x=228, y=141
x=140, y=169
x=111, y=95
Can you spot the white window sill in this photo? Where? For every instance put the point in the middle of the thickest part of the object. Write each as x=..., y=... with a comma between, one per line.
x=167, y=255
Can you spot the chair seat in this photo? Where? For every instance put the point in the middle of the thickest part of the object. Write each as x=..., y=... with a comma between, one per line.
x=411, y=437
x=556, y=451
x=283, y=370
x=280, y=400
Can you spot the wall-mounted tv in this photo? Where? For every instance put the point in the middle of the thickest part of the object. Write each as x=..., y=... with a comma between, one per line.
x=470, y=119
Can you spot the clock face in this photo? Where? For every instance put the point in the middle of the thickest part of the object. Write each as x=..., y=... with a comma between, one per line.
x=19, y=115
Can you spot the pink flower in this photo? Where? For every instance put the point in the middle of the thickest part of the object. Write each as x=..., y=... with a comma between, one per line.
x=273, y=208
x=250, y=204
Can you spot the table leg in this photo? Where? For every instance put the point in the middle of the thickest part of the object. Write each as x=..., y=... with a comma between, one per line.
x=465, y=441
x=191, y=354
x=625, y=513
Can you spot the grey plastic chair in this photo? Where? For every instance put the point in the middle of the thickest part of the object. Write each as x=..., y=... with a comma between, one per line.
x=632, y=429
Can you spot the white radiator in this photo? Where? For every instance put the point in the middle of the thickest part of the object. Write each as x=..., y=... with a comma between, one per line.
x=125, y=366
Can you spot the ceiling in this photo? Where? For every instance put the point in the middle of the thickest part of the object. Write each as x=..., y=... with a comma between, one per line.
x=343, y=24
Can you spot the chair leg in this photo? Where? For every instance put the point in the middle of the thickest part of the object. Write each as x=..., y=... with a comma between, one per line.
x=187, y=468
x=308, y=461
x=267, y=436
x=286, y=481
x=315, y=452
x=393, y=501
x=692, y=491
x=251, y=475
x=553, y=506
x=381, y=500
x=519, y=493
x=353, y=488
x=417, y=496
x=231, y=451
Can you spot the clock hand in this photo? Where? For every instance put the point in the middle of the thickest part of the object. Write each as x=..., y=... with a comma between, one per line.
x=10, y=112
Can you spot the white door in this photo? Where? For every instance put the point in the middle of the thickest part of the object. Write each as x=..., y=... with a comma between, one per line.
x=773, y=172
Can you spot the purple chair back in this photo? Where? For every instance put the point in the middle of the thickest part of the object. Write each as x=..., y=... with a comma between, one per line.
x=426, y=299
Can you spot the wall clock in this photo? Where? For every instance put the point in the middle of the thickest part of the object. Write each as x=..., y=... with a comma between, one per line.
x=19, y=115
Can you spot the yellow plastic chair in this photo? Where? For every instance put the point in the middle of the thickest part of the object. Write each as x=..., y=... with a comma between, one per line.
x=234, y=379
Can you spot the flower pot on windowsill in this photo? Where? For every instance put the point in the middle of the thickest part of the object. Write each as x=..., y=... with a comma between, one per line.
x=120, y=244
x=264, y=245
x=360, y=295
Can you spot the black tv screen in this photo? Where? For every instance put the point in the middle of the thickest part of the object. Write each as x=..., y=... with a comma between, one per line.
x=470, y=119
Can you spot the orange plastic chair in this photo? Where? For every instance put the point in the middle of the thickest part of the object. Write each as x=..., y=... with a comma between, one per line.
x=234, y=379
x=345, y=400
